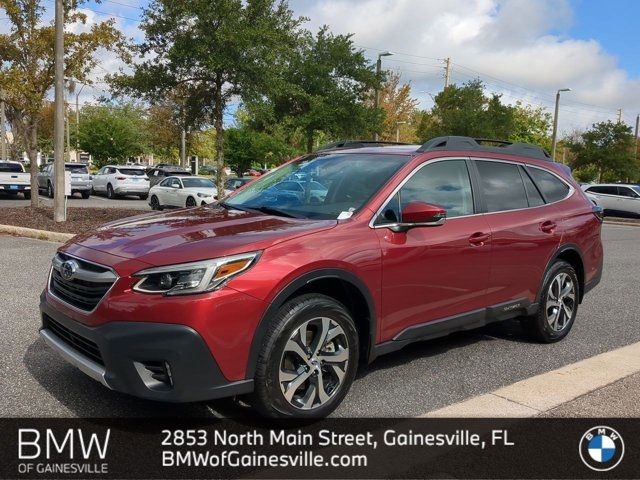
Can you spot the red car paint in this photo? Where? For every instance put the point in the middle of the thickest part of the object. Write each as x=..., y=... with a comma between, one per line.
x=414, y=277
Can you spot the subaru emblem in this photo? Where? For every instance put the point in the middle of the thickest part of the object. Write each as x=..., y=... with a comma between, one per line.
x=68, y=269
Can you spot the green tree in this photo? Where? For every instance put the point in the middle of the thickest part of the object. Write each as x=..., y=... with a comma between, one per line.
x=246, y=148
x=606, y=147
x=27, y=64
x=399, y=109
x=112, y=134
x=324, y=89
x=216, y=50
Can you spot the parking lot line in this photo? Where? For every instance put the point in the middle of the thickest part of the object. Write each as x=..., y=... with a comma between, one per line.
x=541, y=393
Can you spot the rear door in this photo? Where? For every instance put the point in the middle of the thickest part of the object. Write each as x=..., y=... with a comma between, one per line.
x=524, y=231
x=430, y=273
x=629, y=200
x=606, y=196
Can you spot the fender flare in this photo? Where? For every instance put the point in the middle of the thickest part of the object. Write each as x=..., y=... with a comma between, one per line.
x=564, y=248
x=294, y=286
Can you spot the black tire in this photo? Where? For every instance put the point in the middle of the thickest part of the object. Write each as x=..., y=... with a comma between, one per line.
x=85, y=194
x=560, y=277
x=191, y=202
x=27, y=195
x=49, y=190
x=144, y=197
x=110, y=193
x=155, y=203
x=268, y=397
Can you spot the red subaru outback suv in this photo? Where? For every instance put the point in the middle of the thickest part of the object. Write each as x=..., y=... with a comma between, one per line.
x=333, y=259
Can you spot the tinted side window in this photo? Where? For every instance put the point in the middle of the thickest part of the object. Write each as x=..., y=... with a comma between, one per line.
x=552, y=187
x=627, y=192
x=533, y=195
x=502, y=186
x=164, y=183
x=444, y=183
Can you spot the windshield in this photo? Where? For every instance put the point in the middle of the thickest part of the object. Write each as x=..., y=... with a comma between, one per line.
x=76, y=168
x=197, y=183
x=326, y=186
x=136, y=172
x=10, y=167
x=636, y=188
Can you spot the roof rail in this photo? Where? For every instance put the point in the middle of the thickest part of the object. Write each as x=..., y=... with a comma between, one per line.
x=349, y=144
x=480, y=144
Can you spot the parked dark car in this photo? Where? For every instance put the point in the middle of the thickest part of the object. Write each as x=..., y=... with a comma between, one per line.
x=159, y=173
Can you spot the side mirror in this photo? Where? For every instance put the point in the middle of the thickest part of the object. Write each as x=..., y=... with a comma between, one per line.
x=174, y=185
x=420, y=214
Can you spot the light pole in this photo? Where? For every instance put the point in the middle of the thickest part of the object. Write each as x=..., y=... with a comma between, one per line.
x=376, y=99
x=398, y=130
x=59, y=210
x=72, y=81
x=635, y=145
x=555, y=123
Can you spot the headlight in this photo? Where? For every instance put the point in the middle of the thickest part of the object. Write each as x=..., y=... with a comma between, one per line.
x=203, y=195
x=194, y=277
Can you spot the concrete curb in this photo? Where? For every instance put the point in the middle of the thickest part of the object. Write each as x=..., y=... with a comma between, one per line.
x=38, y=234
x=541, y=393
x=626, y=224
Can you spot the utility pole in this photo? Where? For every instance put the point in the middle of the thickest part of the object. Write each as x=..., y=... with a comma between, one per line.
x=447, y=71
x=635, y=145
x=59, y=213
x=67, y=157
x=619, y=115
x=554, y=139
x=3, y=129
x=183, y=147
x=376, y=98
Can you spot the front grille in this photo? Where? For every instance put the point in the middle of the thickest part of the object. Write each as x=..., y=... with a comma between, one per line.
x=82, y=293
x=78, y=342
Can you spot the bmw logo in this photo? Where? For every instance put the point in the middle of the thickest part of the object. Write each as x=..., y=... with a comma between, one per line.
x=601, y=448
x=68, y=269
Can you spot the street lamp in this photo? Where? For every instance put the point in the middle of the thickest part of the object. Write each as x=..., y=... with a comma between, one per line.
x=378, y=72
x=398, y=130
x=555, y=123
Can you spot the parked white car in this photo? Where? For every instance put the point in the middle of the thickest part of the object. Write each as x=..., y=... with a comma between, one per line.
x=14, y=180
x=615, y=198
x=180, y=192
x=119, y=180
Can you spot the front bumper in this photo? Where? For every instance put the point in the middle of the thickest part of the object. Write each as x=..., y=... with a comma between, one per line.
x=117, y=355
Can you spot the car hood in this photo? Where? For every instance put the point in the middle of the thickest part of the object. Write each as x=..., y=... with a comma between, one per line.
x=195, y=234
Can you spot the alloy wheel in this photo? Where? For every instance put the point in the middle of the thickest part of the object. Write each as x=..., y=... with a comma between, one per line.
x=561, y=302
x=190, y=202
x=155, y=204
x=314, y=363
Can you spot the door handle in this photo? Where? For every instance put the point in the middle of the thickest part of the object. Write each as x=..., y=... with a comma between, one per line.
x=548, y=226
x=478, y=239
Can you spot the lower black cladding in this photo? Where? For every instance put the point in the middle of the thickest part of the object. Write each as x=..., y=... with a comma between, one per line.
x=83, y=345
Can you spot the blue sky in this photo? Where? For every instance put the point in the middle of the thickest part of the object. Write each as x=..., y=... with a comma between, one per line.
x=615, y=24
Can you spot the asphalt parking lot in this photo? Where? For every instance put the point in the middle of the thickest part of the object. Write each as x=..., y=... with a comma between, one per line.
x=95, y=201
x=420, y=378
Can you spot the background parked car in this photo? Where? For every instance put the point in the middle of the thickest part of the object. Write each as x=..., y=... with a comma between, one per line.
x=162, y=171
x=14, y=180
x=615, y=198
x=116, y=180
x=180, y=192
x=80, y=179
x=234, y=183
x=296, y=192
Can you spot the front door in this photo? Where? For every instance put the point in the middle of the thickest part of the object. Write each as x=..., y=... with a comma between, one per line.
x=431, y=273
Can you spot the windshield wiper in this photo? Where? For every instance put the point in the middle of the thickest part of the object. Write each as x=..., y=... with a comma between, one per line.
x=228, y=206
x=275, y=211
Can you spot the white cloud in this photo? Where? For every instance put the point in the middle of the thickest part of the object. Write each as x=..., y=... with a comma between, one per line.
x=517, y=45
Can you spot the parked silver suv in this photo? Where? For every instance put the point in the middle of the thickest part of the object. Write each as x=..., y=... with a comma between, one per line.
x=80, y=179
x=615, y=197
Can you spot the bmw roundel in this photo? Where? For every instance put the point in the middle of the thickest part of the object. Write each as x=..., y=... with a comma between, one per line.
x=601, y=448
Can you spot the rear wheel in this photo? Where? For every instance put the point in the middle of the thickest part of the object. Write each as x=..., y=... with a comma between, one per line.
x=49, y=190
x=144, y=196
x=191, y=202
x=558, y=305
x=110, y=193
x=308, y=359
x=155, y=203
x=27, y=195
x=86, y=194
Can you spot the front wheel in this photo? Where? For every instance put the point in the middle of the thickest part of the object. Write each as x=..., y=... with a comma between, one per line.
x=191, y=202
x=27, y=195
x=86, y=194
x=558, y=307
x=308, y=359
x=155, y=203
x=49, y=190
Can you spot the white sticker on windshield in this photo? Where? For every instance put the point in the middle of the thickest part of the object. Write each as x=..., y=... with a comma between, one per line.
x=345, y=215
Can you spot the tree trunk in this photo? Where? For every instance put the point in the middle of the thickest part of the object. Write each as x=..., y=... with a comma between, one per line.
x=218, y=112
x=32, y=152
x=309, y=141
